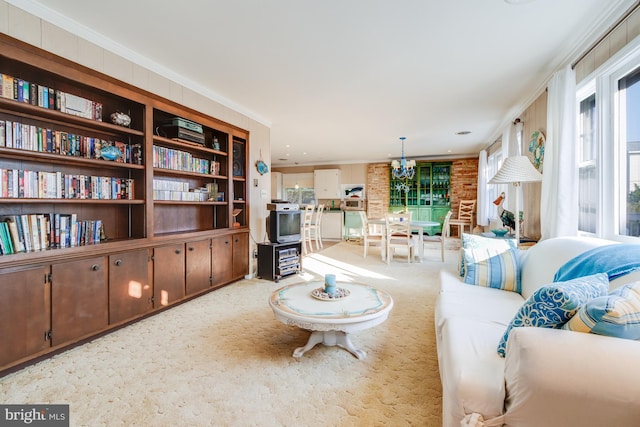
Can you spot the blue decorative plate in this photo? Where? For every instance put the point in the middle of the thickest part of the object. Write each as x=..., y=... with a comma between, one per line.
x=262, y=167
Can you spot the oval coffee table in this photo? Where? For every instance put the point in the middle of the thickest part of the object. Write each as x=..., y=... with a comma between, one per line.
x=331, y=321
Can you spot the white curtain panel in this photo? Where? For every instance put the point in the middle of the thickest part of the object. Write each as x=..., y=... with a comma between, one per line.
x=559, y=198
x=482, y=214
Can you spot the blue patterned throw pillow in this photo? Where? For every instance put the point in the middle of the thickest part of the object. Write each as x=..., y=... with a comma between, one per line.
x=551, y=306
x=614, y=315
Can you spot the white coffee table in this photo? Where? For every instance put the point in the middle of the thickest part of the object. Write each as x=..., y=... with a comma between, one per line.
x=331, y=321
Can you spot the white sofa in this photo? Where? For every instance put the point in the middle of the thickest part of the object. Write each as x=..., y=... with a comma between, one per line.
x=550, y=377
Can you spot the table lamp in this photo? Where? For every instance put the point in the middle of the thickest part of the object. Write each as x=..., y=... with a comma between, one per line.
x=516, y=170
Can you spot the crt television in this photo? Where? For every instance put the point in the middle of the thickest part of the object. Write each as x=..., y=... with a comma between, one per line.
x=284, y=226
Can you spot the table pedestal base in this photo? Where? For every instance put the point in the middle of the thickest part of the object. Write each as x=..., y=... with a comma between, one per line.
x=329, y=338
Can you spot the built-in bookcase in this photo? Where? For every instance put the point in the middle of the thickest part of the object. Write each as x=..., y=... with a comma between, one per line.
x=56, y=125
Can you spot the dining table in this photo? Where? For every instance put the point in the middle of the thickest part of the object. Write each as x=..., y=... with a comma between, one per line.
x=416, y=225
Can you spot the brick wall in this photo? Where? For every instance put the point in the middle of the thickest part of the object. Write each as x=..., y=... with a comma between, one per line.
x=464, y=181
x=378, y=188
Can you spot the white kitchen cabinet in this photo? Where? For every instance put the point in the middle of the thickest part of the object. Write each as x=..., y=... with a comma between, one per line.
x=326, y=183
x=332, y=225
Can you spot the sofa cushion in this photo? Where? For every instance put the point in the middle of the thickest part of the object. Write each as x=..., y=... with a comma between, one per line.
x=472, y=241
x=614, y=315
x=492, y=268
x=472, y=374
x=551, y=306
x=457, y=299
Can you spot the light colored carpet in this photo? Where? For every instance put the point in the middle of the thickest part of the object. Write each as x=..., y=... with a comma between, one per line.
x=224, y=360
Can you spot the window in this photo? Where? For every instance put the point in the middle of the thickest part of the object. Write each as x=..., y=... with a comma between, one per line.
x=629, y=122
x=301, y=196
x=608, y=138
x=588, y=190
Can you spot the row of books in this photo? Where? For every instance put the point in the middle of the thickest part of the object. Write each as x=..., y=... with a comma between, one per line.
x=169, y=158
x=35, y=232
x=19, y=183
x=36, y=138
x=47, y=97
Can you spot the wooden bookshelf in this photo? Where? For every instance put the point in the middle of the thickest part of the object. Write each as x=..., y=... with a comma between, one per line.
x=173, y=244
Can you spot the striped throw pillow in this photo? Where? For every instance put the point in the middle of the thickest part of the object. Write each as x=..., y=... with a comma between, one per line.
x=614, y=315
x=492, y=268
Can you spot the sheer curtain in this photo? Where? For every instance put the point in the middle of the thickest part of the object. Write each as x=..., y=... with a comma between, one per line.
x=482, y=207
x=559, y=198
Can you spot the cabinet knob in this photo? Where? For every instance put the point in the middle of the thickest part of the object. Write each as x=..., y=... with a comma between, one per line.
x=191, y=248
x=95, y=267
x=178, y=251
x=118, y=262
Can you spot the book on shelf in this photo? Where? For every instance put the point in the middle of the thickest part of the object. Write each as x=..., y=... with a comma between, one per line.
x=6, y=246
x=15, y=231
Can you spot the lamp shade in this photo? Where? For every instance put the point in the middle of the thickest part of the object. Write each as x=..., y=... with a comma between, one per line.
x=516, y=169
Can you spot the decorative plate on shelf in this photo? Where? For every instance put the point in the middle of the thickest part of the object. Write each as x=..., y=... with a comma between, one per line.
x=340, y=294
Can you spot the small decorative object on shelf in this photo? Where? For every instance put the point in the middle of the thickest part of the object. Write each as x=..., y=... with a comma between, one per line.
x=110, y=153
x=235, y=214
x=215, y=167
x=216, y=144
x=120, y=119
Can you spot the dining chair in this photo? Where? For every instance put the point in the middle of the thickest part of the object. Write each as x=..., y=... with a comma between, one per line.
x=466, y=213
x=372, y=235
x=442, y=237
x=307, y=220
x=399, y=235
x=315, y=228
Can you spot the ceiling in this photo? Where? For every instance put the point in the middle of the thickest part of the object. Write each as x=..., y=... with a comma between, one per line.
x=339, y=81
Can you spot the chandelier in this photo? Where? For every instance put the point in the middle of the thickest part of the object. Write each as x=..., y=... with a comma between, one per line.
x=403, y=169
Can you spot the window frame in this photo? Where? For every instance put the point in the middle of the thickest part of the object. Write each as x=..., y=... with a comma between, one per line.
x=603, y=82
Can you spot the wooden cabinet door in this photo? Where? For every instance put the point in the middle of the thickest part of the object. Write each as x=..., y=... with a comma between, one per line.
x=130, y=291
x=240, y=255
x=198, y=276
x=79, y=299
x=221, y=260
x=24, y=313
x=168, y=274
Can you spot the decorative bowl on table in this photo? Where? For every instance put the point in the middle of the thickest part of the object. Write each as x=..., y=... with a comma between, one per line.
x=500, y=232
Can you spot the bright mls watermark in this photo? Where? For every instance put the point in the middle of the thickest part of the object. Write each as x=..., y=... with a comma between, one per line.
x=34, y=415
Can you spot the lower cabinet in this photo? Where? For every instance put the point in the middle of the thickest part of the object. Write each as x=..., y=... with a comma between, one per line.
x=25, y=313
x=60, y=303
x=221, y=253
x=198, y=268
x=332, y=222
x=234, y=248
x=79, y=299
x=168, y=274
x=240, y=255
x=130, y=290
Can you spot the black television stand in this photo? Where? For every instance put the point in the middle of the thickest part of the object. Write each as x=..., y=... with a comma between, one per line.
x=277, y=260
